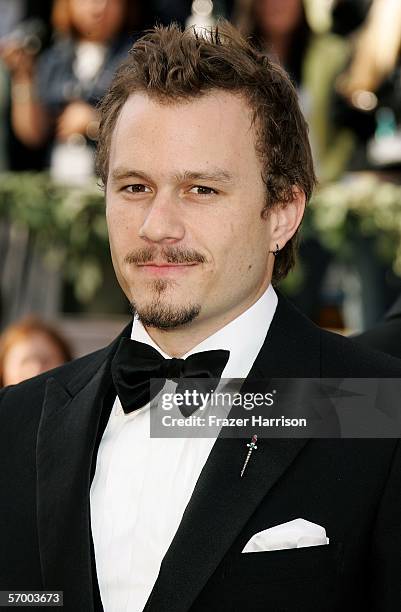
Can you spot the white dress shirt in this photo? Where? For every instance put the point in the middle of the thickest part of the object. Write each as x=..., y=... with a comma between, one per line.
x=142, y=485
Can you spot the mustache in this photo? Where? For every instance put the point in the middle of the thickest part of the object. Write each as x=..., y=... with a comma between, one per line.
x=173, y=255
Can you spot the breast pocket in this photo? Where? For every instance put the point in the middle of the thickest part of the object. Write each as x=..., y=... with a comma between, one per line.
x=294, y=560
x=297, y=579
x=282, y=565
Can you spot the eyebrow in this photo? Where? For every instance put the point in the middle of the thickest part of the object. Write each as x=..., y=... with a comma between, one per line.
x=215, y=175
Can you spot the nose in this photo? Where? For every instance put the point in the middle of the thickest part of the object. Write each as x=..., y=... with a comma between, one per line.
x=163, y=222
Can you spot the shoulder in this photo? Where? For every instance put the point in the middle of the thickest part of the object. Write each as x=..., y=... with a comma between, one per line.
x=345, y=357
x=383, y=337
x=24, y=401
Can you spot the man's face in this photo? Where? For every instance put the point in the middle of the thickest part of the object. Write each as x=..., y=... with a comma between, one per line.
x=184, y=200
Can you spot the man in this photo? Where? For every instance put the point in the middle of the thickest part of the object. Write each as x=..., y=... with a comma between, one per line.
x=207, y=169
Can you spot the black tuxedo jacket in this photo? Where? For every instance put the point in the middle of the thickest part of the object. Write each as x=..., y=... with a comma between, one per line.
x=49, y=428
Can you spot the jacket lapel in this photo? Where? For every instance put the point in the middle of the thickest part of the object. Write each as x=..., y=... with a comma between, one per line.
x=65, y=446
x=223, y=502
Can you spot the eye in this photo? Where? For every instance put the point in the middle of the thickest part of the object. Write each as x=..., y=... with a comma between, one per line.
x=202, y=190
x=137, y=188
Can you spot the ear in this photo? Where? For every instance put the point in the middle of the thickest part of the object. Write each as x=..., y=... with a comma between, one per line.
x=285, y=220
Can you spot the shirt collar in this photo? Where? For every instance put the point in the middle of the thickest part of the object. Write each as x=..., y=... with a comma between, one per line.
x=243, y=336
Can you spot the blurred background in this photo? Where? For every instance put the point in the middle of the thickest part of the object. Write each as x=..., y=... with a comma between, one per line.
x=57, y=58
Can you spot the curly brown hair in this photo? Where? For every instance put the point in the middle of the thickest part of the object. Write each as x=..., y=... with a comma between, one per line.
x=172, y=65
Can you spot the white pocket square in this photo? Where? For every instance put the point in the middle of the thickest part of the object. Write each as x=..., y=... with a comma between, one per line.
x=294, y=534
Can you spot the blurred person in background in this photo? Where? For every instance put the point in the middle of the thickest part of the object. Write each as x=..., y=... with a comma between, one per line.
x=24, y=23
x=287, y=30
x=369, y=89
x=28, y=348
x=53, y=101
x=3, y=119
x=368, y=101
x=11, y=13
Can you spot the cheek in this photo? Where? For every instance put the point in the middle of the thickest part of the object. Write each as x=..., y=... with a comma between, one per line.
x=247, y=237
x=121, y=227
x=233, y=251
x=247, y=255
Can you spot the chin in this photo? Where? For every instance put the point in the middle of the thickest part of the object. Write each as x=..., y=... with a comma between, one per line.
x=162, y=314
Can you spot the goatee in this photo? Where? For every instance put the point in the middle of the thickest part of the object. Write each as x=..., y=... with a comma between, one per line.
x=165, y=316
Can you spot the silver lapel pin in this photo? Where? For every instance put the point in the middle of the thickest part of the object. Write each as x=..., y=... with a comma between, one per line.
x=252, y=446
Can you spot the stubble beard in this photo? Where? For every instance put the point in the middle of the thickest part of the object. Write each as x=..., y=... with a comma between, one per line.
x=161, y=315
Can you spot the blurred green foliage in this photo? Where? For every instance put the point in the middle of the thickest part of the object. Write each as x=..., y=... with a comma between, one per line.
x=68, y=223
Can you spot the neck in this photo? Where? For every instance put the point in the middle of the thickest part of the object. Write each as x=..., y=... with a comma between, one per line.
x=177, y=342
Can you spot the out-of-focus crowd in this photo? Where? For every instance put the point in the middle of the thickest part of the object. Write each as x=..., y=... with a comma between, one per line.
x=57, y=59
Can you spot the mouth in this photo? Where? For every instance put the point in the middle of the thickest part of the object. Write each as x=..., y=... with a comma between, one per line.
x=164, y=269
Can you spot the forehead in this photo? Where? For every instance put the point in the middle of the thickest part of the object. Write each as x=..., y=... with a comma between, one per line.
x=214, y=127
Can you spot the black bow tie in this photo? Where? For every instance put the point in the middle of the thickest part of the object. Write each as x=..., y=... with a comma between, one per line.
x=135, y=363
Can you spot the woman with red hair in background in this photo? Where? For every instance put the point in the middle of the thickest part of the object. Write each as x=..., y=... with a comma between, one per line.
x=30, y=347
